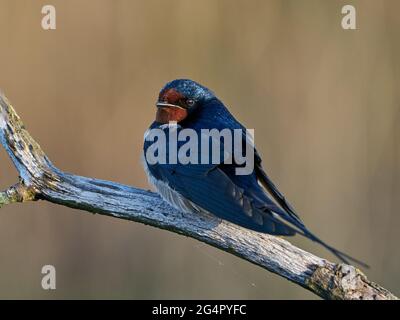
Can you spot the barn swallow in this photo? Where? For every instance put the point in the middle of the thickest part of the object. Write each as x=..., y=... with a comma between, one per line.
x=251, y=201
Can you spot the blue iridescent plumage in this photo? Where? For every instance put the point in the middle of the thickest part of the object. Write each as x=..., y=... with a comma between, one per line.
x=251, y=201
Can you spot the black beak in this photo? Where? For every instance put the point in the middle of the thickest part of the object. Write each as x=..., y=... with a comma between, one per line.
x=168, y=105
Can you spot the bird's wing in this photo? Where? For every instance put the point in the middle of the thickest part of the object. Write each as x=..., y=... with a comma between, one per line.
x=267, y=183
x=217, y=189
x=211, y=188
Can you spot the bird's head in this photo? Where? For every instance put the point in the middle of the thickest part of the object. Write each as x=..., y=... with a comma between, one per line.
x=179, y=98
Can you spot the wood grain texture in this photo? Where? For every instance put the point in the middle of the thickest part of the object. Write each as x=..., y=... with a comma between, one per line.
x=40, y=180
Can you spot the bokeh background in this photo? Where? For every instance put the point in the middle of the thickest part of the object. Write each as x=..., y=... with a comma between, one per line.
x=324, y=103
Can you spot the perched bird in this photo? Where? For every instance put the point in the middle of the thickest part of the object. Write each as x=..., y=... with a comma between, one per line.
x=251, y=200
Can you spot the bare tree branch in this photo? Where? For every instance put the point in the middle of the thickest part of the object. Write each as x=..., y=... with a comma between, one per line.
x=39, y=179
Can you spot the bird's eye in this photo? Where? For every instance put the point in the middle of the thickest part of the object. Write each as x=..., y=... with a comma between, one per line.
x=190, y=102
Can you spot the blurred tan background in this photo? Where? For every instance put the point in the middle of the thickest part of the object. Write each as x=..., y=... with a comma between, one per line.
x=324, y=103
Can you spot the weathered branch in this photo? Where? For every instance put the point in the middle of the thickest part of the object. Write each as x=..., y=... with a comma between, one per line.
x=39, y=179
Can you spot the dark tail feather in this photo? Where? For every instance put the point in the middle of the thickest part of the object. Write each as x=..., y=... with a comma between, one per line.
x=302, y=230
x=296, y=227
x=292, y=217
x=341, y=255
